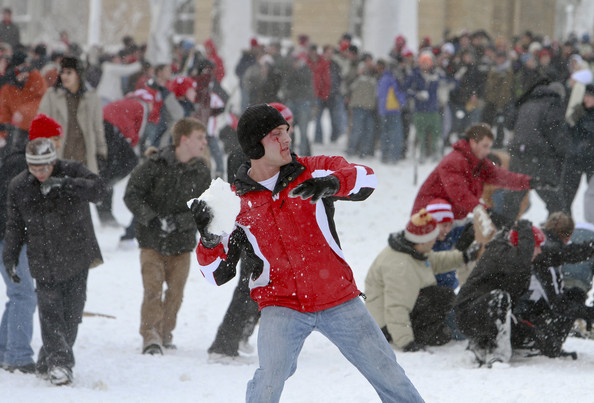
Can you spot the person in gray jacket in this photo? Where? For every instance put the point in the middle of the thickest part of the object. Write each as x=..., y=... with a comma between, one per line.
x=48, y=209
x=156, y=195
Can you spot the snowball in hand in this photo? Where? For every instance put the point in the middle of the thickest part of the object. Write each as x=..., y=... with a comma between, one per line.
x=224, y=204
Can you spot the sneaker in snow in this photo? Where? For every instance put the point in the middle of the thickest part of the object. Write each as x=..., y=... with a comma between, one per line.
x=24, y=369
x=217, y=358
x=60, y=376
x=480, y=353
x=245, y=347
x=153, y=349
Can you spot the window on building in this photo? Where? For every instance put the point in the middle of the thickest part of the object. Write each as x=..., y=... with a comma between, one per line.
x=273, y=18
x=184, y=22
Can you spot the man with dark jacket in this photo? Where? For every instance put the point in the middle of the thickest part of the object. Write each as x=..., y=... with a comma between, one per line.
x=547, y=311
x=538, y=147
x=483, y=306
x=48, y=209
x=156, y=195
x=580, y=155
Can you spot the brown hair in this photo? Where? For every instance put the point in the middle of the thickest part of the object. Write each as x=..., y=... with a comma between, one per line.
x=185, y=127
x=478, y=132
x=560, y=224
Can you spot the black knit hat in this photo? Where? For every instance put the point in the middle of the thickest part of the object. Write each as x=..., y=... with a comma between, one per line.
x=69, y=62
x=590, y=89
x=255, y=123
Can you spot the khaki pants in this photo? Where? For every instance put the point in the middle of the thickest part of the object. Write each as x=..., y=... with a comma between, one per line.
x=159, y=312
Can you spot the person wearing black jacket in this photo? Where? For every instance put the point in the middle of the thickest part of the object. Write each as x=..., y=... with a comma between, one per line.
x=48, y=209
x=539, y=146
x=483, y=306
x=547, y=311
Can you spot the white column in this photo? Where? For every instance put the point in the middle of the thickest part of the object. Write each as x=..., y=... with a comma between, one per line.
x=94, y=32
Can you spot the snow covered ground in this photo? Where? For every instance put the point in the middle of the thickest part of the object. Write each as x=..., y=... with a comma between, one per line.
x=110, y=366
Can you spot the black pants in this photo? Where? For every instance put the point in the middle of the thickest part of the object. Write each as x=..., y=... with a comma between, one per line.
x=428, y=317
x=61, y=308
x=574, y=167
x=477, y=319
x=240, y=319
x=539, y=166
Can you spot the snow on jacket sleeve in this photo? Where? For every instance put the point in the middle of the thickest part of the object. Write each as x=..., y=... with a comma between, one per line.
x=218, y=265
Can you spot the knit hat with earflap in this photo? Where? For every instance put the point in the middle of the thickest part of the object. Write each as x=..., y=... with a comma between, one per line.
x=421, y=228
x=254, y=124
x=42, y=126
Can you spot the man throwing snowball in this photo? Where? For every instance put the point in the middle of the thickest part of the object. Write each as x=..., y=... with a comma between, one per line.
x=300, y=278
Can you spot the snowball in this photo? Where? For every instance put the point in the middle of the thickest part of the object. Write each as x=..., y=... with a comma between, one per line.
x=224, y=204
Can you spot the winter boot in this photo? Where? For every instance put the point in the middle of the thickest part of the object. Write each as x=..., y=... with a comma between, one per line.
x=60, y=376
x=500, y=312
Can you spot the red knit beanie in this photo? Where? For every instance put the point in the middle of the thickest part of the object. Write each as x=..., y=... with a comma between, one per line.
x=421, y=228
x=42, y=126
x=441, y=210
x=283, y=109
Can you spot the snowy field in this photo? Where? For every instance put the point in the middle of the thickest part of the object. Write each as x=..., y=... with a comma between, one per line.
x=111, y=368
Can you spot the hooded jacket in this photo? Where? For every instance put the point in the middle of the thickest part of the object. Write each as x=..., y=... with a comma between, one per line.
x=459, y=179
x=291, y=244
x=395, y=279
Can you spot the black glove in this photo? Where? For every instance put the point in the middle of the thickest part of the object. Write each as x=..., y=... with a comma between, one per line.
x=522, y=224
x=471, y=253
x=543, y=183
x=50, y=184
x=412, y=347
x=11, y=271
x=316, y=188
x=203, y=217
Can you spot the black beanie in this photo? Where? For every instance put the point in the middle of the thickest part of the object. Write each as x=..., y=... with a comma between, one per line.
x=255, y=123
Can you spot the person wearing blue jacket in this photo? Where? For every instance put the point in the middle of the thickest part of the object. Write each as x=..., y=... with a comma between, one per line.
x=390, y=101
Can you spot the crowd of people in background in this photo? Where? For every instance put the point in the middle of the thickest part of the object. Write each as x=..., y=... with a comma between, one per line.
x=531, y=99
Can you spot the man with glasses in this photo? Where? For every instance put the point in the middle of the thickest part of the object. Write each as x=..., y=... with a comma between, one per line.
x=48, y=210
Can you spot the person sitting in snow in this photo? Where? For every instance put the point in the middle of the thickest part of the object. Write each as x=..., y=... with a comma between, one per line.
x=402, y=293
x=156, y=195
x=547, y=311
x=483, y=306
x=299, y=276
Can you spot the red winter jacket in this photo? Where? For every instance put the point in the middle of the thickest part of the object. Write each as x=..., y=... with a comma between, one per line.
x=128, y=115
x=291, y=244
x=459, y=179
x=322, y=81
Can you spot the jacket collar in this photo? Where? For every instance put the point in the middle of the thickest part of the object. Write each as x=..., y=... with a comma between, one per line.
x=399, y=243
x=288, y=173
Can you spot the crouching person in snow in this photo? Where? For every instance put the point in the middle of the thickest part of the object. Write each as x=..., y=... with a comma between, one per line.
x=546, y=313
x=48, y=209
x=484, y=304
x=402, y=292
x=299, y=277
x=156, y=195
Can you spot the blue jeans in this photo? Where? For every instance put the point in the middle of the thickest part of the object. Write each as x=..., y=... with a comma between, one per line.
x=335, y=106
x=392, y=137
x=350, y=327
x=16, y=328
x=302, y=115
x=362, y=140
